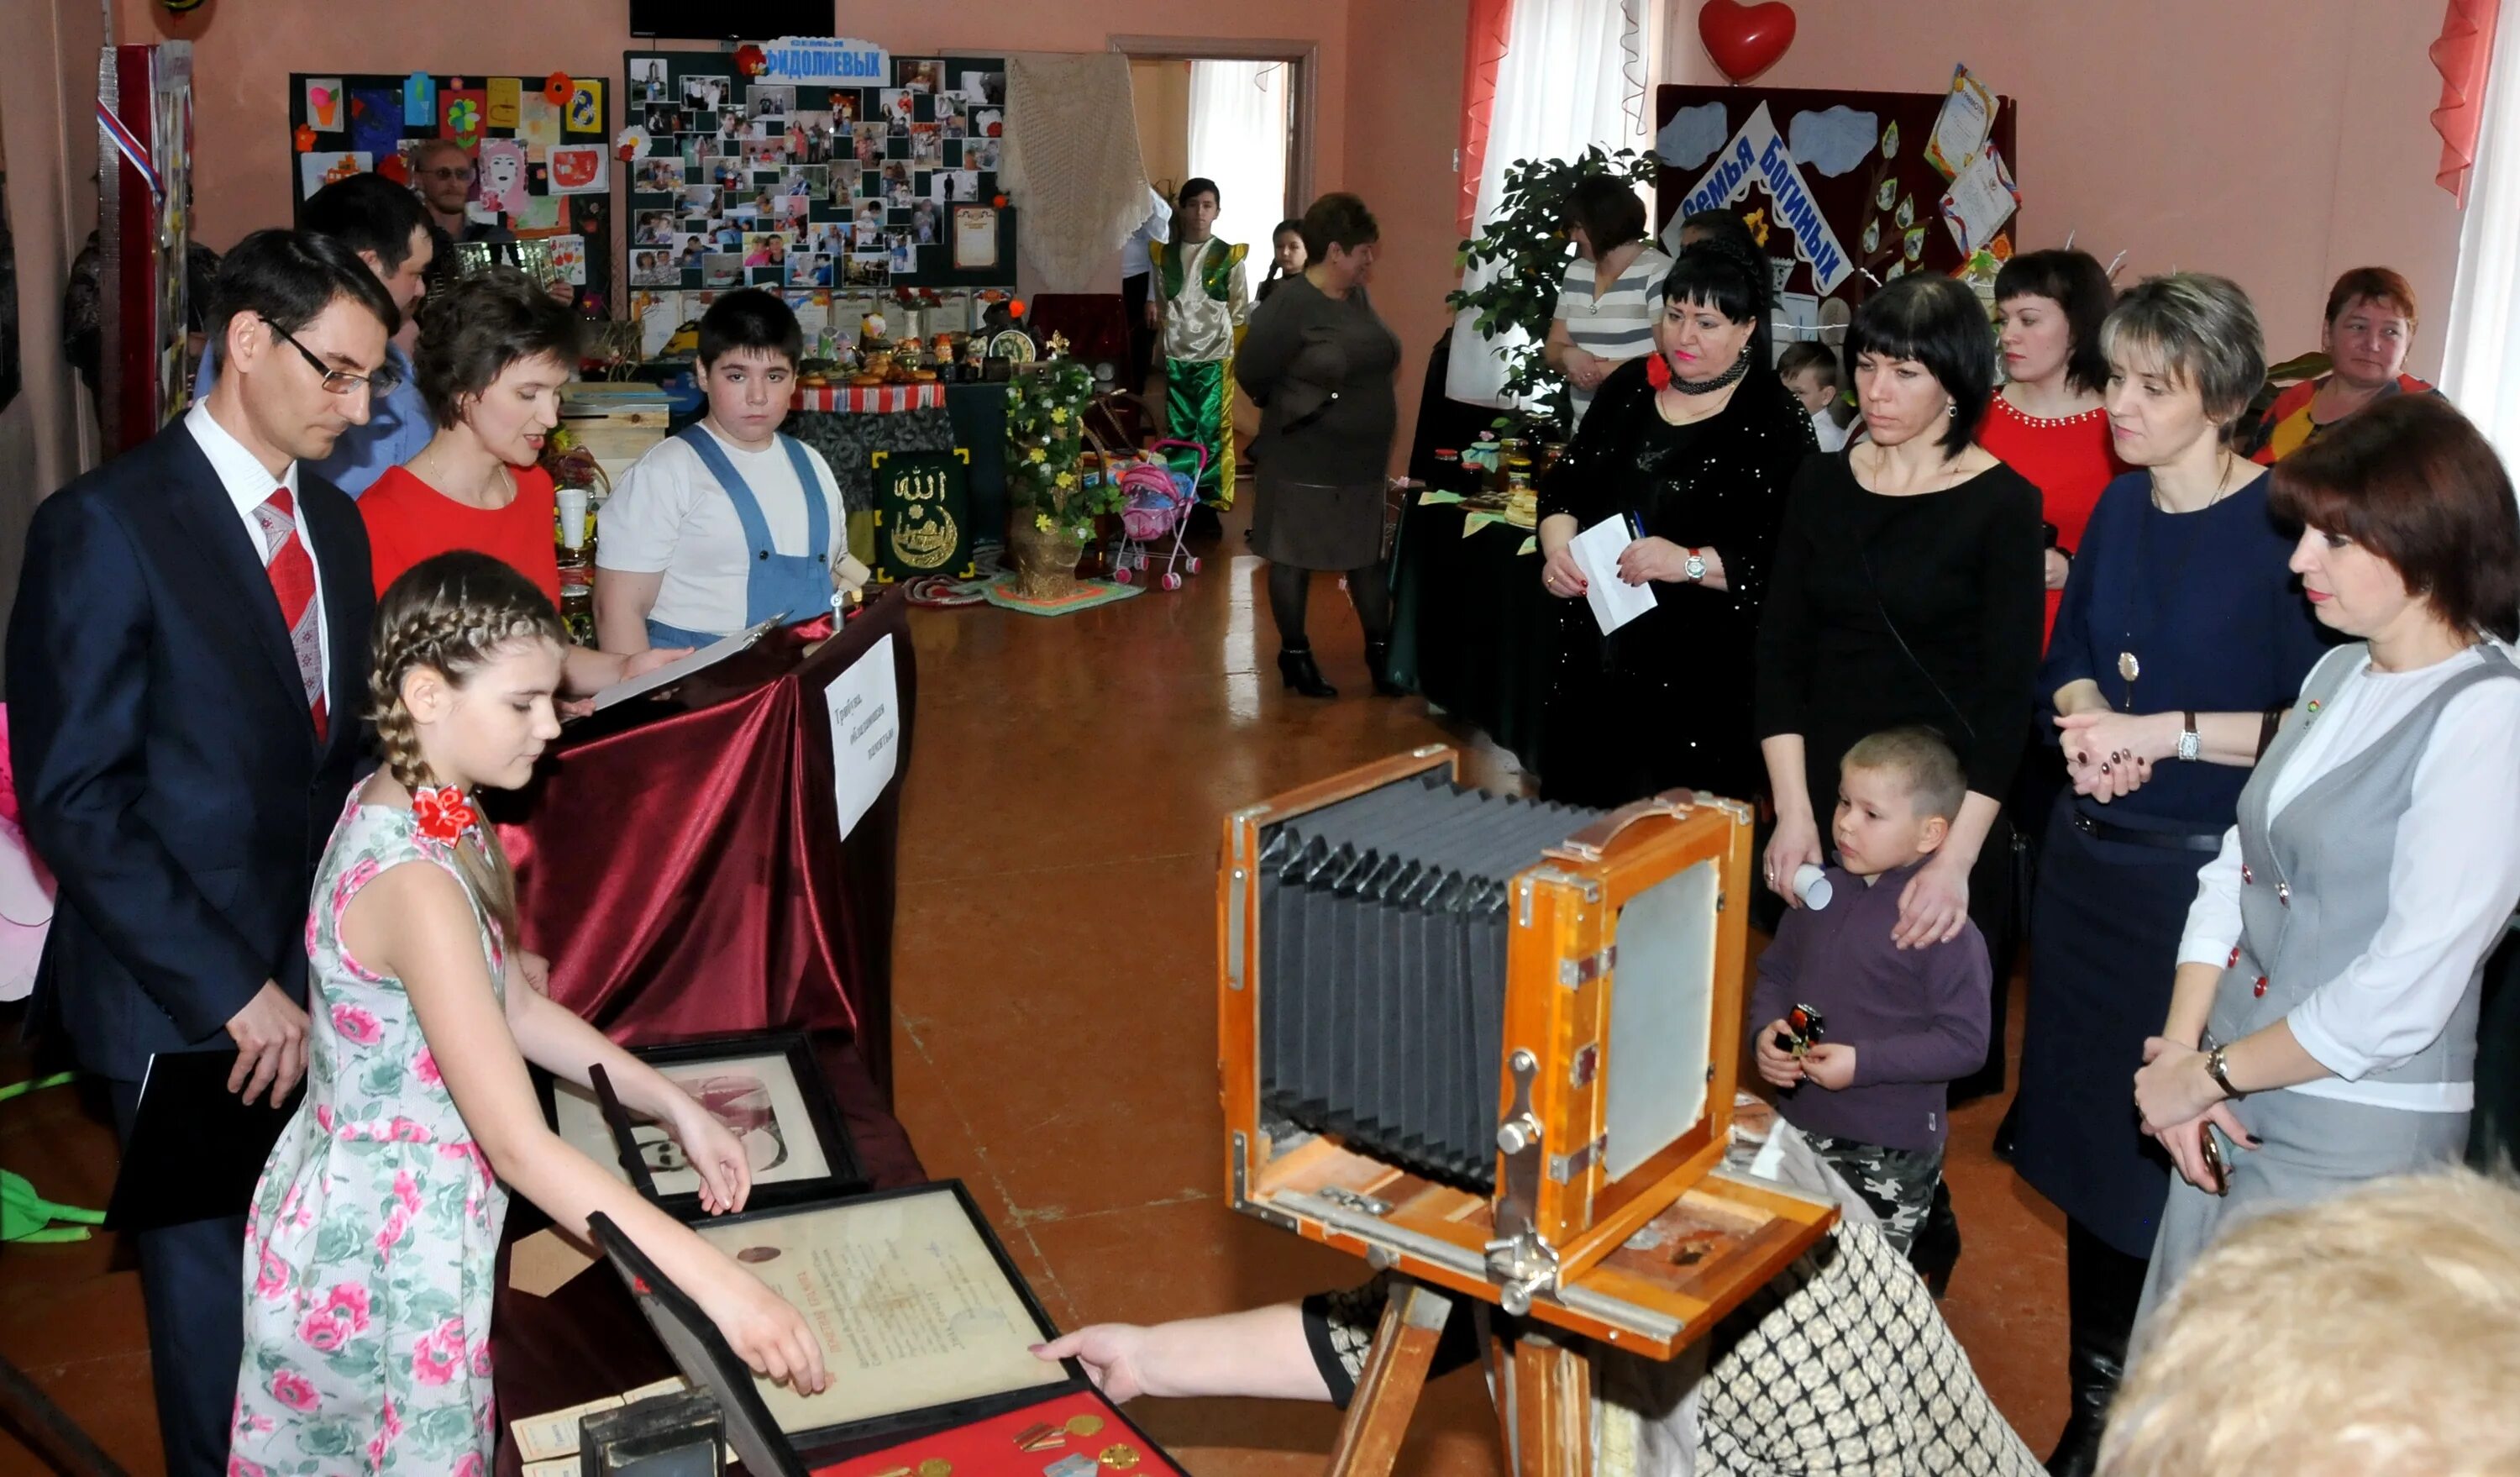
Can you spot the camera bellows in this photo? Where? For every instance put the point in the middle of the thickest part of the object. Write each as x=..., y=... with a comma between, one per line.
x=1382, y=938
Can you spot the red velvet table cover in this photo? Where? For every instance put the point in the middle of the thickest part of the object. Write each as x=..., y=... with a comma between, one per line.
x=685, y=871
x=1097, y=325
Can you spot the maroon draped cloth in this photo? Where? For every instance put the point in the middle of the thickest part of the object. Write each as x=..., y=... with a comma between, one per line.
x=684, y=871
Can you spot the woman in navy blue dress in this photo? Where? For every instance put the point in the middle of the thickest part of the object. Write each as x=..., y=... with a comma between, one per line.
x=2180, y=635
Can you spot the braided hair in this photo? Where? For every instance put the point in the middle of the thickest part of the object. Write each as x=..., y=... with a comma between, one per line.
x=452, y=613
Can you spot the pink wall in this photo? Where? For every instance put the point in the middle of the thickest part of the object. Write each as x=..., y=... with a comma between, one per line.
x=1404, y=113
x=246, y=48
x=48, y=77
x=2278, y=142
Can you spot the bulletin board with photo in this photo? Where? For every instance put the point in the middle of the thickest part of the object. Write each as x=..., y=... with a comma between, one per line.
x=541, y=151
x=825, y=189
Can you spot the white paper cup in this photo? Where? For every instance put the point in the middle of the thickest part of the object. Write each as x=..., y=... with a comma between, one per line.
x=1811, y=885
x=572, y=516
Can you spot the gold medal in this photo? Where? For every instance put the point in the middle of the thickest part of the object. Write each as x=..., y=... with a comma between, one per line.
x=1084, y=1425
x=936, y=1466
x=2128, y=667
x=1119, y=1457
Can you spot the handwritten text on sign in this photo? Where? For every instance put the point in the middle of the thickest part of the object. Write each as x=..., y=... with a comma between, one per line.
x=865, y=705
x=1758, y=152
x=825, y=61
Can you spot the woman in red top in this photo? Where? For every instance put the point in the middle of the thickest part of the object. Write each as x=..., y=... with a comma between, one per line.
x=2046, y=422
x=494, y=352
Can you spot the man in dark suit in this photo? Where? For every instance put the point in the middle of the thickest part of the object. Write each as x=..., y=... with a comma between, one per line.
x=188, y=664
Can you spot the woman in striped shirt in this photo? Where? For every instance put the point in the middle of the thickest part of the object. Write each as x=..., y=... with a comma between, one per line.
x=1606, y=306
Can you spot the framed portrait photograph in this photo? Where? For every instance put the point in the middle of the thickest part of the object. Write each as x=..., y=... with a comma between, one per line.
x=909, y=1291
x=975, y=237
x=763, y=1087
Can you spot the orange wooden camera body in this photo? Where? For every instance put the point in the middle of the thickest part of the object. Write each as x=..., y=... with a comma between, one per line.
x=1647, y=1260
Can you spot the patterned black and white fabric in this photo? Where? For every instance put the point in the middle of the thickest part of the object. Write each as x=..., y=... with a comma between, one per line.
x=1840, y=1368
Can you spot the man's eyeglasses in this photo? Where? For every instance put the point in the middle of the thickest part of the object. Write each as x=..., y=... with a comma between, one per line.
x=383, y=381
x=450, y=172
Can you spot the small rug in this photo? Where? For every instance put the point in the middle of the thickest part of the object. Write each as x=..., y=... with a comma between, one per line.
x=936, y=591
x=1089, y=594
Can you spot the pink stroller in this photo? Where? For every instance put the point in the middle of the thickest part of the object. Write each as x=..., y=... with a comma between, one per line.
x=1156, y=497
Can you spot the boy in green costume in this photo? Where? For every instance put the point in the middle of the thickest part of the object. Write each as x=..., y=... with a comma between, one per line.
x=1203, y=304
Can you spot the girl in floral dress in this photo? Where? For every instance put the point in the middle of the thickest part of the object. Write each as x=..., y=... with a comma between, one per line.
x=372, y=1244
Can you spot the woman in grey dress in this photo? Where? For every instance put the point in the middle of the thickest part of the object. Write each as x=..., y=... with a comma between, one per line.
x=2321, y=1030
x=1320, y=364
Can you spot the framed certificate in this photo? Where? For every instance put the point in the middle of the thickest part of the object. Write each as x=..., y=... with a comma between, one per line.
x=765, y=1087
x=923, y=1321
x=975, y=237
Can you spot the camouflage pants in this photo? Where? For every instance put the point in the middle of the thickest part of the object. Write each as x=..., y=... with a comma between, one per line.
x=1896, y=1182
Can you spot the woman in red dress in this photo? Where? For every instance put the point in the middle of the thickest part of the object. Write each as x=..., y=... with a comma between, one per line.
x=2046, y=422
x=494, y=352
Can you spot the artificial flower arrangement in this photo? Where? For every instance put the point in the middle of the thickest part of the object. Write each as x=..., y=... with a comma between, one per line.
x=1046, y=476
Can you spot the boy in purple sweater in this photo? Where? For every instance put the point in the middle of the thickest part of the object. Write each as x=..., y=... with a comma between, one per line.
x=1898, y=1024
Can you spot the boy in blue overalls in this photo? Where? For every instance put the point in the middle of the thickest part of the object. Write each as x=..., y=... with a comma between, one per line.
x=729, y=523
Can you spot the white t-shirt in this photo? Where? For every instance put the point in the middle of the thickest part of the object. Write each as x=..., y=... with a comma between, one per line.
x=671, y=516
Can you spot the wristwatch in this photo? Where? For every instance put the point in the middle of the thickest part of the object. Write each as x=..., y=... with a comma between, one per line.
x=2214, y=1068
x=2191, y=742
x=1694, y=566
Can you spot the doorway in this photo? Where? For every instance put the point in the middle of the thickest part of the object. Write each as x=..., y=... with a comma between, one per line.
x=1236, y=111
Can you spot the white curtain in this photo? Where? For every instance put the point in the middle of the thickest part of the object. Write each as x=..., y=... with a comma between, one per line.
x=2481, y=363
x=1237, y=138
x=1564, y=85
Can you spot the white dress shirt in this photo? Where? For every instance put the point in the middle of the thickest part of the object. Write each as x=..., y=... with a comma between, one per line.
x=2452, y=883
x=250, y=484
x=1135, y=261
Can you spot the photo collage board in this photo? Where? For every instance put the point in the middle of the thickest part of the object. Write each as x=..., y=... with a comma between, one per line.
x=815, y=189
x=541, y=151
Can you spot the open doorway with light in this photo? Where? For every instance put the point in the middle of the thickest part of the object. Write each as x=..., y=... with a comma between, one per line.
x=1236, y=112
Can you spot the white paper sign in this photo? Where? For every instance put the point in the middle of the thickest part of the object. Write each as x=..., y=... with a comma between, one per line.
x=1758, y=155
x=1961, y=129
x=866, y=733
x=1979, y=201
x=1614, y=600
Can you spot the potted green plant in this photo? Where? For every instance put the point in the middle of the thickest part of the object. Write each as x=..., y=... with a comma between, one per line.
x=1055, y=498
x=1525, y=242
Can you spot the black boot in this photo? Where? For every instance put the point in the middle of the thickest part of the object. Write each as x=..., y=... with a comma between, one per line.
x=2103, y=1285
x=1937, y=1247
x=1302, y=673
x=1377, y=660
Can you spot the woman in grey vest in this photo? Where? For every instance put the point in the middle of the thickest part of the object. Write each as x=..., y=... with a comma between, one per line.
x=2322, y=1025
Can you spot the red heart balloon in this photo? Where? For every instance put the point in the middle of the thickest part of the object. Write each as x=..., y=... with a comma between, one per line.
x=1746, y=40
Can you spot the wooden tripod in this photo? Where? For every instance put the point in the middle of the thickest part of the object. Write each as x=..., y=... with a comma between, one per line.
x=1543, y=1392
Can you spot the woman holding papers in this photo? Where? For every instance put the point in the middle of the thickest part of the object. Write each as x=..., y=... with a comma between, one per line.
x=1656, y=528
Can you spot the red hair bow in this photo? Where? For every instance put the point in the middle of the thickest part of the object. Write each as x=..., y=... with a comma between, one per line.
x=444, y=814
x=1658, y=370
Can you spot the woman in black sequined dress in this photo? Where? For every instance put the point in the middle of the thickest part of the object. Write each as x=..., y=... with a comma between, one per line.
x=1694, y=444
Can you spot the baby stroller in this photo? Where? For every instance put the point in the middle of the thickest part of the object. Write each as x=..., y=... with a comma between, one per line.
x=1157, y=496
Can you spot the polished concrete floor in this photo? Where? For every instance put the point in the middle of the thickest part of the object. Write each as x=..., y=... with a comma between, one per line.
x=1055, y=979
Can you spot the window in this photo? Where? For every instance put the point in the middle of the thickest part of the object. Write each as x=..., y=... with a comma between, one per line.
x=1573, y=76
x=2481, y=358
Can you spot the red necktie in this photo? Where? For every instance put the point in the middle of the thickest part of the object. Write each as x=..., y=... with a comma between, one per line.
x=293, y=579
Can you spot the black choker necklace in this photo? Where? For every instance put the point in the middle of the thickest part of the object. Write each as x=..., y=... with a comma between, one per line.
x=1740, y=367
